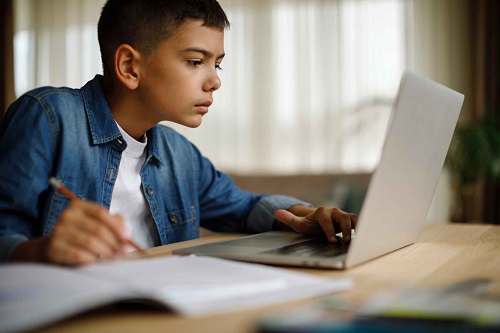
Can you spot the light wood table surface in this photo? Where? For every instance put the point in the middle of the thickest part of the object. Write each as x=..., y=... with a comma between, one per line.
x=444, y=254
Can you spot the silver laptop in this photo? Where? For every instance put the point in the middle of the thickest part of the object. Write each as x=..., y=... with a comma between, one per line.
x=399, y=194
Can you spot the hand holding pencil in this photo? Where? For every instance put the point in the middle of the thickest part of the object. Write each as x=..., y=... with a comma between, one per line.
x=86, y=232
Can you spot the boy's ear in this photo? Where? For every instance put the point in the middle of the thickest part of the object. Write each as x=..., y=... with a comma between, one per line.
x=127, y=66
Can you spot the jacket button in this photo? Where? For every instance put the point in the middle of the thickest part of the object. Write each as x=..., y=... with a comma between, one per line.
x=150, y=191
x=174, y=218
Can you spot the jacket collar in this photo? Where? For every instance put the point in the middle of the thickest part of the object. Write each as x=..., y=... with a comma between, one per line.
x=152, y=146
x=102, y=124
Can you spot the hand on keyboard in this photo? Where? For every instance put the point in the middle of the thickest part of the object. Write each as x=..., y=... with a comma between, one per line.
x=315, y=221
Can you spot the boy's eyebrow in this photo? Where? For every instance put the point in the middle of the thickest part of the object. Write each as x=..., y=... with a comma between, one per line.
x=206, y=53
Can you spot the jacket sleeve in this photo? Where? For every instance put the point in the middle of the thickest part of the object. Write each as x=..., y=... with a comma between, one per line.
x=261, y=217
x=26, y=146
x=225, y=207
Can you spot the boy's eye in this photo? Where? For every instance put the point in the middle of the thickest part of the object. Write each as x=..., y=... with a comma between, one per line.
x=195, y=63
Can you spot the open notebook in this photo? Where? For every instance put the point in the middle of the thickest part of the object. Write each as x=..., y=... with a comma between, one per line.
x=33, y=295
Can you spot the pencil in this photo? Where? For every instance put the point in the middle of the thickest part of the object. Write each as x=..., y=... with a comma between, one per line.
x=57, y=183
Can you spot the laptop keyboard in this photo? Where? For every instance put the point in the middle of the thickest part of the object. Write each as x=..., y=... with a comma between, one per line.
x=314, y=247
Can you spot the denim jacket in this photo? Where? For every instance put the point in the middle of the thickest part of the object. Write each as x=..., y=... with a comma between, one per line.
x=71, y=134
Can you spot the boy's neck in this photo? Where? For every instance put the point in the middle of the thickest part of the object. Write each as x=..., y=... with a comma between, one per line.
x=125, y=110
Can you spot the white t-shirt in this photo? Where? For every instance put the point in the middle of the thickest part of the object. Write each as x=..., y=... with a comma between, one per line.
x=128, y=199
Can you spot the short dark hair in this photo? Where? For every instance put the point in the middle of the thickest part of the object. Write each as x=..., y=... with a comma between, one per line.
x=143, y=24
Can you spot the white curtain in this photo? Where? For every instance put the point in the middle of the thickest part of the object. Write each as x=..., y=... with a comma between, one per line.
x=55, y=43
x=307, y=85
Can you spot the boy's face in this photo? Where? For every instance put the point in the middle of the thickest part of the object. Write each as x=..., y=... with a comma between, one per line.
x=178, y=79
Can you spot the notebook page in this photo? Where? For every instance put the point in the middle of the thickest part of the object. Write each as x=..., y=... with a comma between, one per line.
x=202, y=285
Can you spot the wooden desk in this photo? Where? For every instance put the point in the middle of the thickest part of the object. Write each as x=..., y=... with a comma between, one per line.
x=445, y=253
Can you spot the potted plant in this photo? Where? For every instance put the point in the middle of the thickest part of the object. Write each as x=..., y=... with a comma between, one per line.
x=474, y=156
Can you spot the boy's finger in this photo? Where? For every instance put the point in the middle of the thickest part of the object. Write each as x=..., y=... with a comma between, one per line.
x=91, y=236
x=354, y=220
x=345, y=226
x=94, y=245
x=323, y=217
x=91, y=228
x=90, y=220
x=61, y=252
x=345, y=223
x=114, y=223
x=286, y=217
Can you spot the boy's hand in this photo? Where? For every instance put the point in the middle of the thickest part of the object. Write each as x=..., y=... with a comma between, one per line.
x=84, y=233
x=315, y=221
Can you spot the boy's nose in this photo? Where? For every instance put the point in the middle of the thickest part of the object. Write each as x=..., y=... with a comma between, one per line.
x=213, y=83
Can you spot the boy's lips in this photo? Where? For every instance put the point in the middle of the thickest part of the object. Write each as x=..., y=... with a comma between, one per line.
x=203, y=107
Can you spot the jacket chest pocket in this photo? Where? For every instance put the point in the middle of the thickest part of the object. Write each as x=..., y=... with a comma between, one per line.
x=182, y=225
x=181, y=216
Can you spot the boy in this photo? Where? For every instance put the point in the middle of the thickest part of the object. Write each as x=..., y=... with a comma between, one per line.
x=136, y=178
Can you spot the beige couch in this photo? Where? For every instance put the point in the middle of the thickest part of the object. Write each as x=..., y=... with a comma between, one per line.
x=345, y=191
